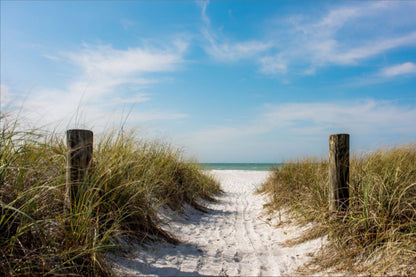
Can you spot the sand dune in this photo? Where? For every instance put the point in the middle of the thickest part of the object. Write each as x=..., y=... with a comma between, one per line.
x=234, y=238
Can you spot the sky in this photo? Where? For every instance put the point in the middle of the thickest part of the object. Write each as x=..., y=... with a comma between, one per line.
x=226, y=81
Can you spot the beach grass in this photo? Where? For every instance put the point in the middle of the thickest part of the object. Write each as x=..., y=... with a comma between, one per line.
x=377, y=235
x=128, y=182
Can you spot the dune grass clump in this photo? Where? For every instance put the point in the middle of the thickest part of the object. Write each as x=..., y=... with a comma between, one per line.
x=128, y=181
x=377, y=235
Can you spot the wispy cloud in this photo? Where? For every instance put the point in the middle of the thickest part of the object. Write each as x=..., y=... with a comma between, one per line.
x=400, y=69
x=362, y=117
x=341, y=35
x=103, y=68
x=224, y=49
x=204, y=16
x=5, y=96
x=365, y=120
x=273, y=64
x=344, y=35
x=233, y=51
x=337, y=56
x=104, y=59
x=108, y=80
x=385, y=74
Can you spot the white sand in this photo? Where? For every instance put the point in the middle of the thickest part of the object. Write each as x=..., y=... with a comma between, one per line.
x=234, y=238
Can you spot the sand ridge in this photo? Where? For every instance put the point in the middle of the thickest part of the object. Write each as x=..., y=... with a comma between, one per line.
x=234, y=238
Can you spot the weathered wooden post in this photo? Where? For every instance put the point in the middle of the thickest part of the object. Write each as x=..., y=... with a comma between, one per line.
x=79, y=156
x=339, y=168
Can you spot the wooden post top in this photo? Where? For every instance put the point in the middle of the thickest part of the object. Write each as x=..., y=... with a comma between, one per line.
x=342, y=134
x=84, y=131
x=79, y=138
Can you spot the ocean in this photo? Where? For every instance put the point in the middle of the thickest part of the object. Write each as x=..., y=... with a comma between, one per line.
x=239, y=166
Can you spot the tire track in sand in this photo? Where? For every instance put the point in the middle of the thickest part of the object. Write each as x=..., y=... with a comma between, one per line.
x=230, y=239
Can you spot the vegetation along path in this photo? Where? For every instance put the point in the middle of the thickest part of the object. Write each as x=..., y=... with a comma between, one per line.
x=233, y=238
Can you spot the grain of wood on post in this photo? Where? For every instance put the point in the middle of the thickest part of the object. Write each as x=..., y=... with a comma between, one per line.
x=339, y=163
x=79, y=157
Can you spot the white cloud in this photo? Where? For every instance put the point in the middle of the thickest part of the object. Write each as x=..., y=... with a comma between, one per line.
x=157, y=115
x=400, y=69
x=204, y=16
x=109, y=80
x=104, y=59
x=223, y=49
x=343, y=35
x=336, y=19
x=371, y=49
x=138, y=98
x=52, y=58
x=362, y=117
x=273, y=65
x=5, y=96
x=367, y=121
x=229, y=52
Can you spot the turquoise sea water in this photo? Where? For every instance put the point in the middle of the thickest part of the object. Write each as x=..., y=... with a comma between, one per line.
x=239, y=166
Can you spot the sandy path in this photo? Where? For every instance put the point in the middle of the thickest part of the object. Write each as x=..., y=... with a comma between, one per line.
x=233, y=239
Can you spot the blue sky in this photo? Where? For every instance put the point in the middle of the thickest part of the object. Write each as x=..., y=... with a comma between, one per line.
x=227, y=81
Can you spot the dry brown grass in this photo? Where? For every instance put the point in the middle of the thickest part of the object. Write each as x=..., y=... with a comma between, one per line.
x=378, y=233
x=120, y=196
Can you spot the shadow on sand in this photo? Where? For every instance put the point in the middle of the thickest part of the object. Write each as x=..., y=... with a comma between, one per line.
x=146, y=257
